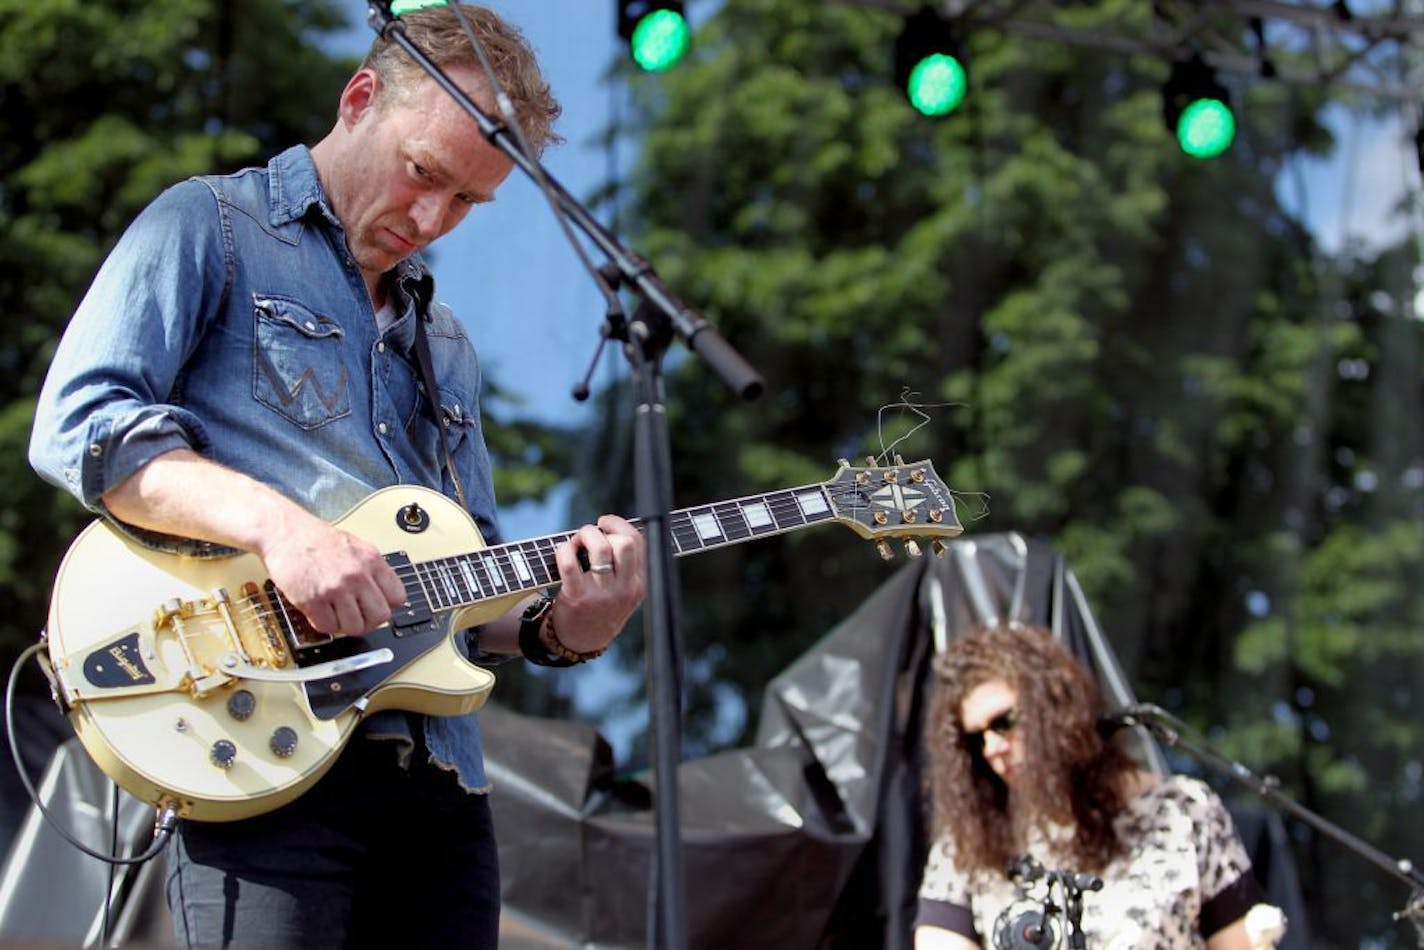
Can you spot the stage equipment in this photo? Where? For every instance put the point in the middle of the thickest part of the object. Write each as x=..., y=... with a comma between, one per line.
x=929, y=64
x=656, y=32
x=1031, y=920
x=1197, y=109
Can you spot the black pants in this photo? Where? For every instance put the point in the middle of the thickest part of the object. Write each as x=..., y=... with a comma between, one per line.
x=373, y=855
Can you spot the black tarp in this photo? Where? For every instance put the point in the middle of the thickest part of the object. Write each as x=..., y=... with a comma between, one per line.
x=811, y=837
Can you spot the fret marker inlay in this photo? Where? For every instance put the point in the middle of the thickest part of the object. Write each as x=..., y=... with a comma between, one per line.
x=521, y=566
x=707, y=527
x=812, y=503
x=492, y=566
x=757, y=515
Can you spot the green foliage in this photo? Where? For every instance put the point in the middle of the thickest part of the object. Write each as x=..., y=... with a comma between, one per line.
x=102, y=105
x=1162, y=380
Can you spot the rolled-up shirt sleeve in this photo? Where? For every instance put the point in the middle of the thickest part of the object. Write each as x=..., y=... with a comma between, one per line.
x=112, y=400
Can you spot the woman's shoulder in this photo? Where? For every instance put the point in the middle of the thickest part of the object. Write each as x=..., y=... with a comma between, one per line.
x=1154, y=793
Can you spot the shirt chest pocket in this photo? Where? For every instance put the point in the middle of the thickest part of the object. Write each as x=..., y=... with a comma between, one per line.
x=299, y=366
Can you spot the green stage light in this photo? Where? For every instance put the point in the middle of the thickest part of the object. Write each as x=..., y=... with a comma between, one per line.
x=656, y=32
x=929, y=66
x=1197, y=109
x=406, y=6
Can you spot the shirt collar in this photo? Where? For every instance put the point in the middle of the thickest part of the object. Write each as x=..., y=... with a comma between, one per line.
x=295, y=187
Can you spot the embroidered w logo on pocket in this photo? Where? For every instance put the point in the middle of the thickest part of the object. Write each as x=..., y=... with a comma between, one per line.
x=299, y=365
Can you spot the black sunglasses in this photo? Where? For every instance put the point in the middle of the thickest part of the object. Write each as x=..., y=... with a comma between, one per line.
x=1001, y=725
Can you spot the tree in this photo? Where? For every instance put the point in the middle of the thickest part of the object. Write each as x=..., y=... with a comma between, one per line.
x=1120, y=345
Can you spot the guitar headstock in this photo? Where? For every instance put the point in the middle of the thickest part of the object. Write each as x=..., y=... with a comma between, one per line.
x=908, y=501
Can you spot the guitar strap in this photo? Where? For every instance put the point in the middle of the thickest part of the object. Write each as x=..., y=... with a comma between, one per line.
x=421, y=290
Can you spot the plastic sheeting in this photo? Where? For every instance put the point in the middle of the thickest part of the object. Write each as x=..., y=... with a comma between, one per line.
x=812, y=837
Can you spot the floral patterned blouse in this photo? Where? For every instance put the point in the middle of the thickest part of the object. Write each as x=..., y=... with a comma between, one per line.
x=1184, y=877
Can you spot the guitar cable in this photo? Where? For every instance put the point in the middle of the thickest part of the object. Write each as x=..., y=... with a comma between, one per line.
x=164, y=825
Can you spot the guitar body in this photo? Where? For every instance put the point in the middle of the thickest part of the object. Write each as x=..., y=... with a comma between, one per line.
x=153, y=692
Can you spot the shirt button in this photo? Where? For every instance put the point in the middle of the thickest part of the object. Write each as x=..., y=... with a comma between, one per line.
x=381, y=347
x=381, y=428
x=96, y=450
x=311, y=326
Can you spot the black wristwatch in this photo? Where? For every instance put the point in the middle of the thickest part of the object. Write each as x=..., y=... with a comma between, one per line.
x=531, y=643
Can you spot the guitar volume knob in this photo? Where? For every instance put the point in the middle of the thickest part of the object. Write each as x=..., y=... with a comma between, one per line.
x=223, y=754
x=241, y=704
x=283, y=742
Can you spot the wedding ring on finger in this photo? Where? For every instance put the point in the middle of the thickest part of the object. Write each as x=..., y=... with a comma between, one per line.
x=602, y=568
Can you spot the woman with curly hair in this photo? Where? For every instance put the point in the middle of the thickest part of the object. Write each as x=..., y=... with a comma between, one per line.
x=1033, y=804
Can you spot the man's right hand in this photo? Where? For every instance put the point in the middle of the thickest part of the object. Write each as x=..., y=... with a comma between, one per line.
x=340, y=583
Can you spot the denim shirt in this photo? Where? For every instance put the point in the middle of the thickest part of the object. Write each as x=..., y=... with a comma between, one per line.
x=231, y=319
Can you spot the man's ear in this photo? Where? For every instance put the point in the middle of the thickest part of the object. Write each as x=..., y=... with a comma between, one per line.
x=359, y=96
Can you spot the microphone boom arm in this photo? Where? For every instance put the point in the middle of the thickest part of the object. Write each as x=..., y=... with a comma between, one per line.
x=632, y=270
x=1173, y=732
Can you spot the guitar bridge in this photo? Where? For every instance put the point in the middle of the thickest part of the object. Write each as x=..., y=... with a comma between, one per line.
x=210, y=633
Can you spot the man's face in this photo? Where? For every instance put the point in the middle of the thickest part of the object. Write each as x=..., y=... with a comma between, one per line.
x=410, y=169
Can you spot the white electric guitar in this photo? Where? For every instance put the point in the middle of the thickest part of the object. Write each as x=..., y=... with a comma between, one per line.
x=195, y=686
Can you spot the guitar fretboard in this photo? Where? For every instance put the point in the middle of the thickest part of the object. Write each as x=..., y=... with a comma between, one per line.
x=476, y=576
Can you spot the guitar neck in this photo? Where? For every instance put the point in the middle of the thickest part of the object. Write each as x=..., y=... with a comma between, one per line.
x=477, y=576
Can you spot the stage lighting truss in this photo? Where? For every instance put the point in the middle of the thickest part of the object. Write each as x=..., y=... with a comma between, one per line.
x=1372, y=48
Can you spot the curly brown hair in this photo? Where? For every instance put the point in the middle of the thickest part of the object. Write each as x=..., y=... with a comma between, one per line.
x=438, y=33
x=1077, y=774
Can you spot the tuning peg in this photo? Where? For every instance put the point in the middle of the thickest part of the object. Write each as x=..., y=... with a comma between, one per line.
x=843, y=463
x=937, y=546
x=912, y=548
x=870, y=460
x=883, y=547
x=899, y=459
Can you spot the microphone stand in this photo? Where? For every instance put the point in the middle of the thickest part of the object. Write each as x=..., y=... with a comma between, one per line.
x=1073, y=885
x=1173, y=732
x=659, y=317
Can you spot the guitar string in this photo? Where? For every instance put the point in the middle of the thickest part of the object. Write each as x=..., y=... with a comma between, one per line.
x=783, y=504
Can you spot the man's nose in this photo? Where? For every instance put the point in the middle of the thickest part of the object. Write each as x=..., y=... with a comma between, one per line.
x=994, y=744
x=428, y=213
